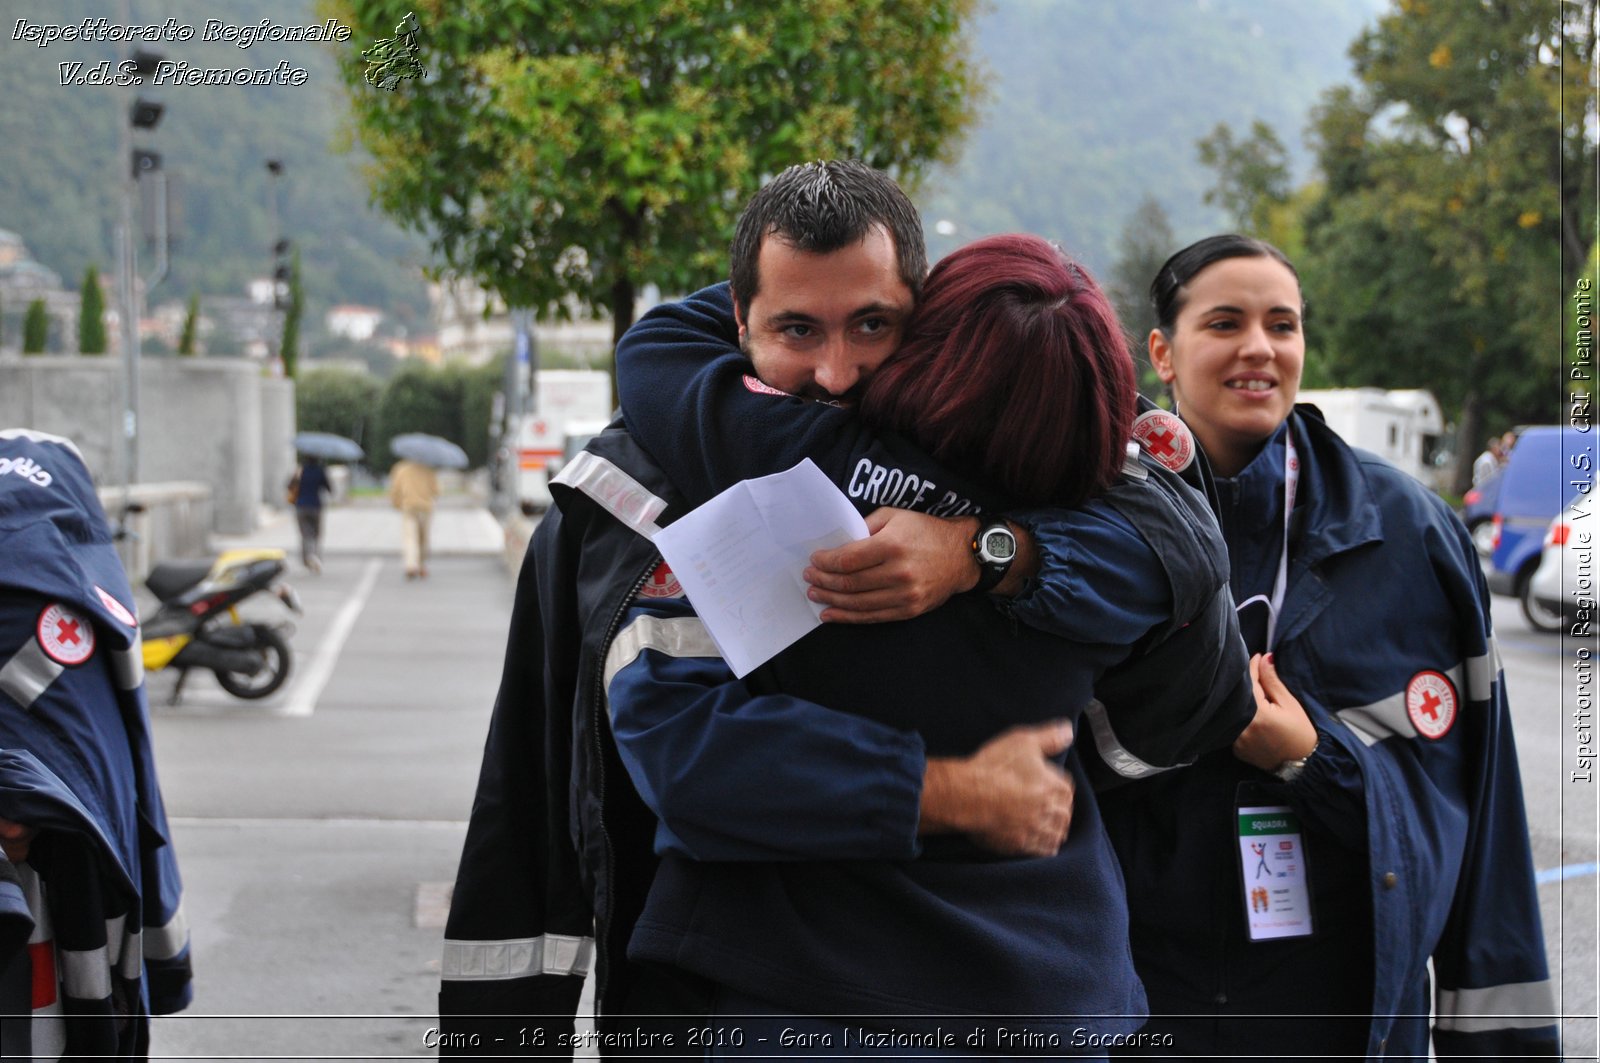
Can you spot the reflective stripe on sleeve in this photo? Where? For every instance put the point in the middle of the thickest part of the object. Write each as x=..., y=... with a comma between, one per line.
x=1481, y=673
x=127, y=666
x=1517, y=1006
x=1388, y=717
x=28, y=674
x=618, y=493
x=1111, y=749
x=166, y=942
x=85, y=975
x=681, y=636
x=476, y=961
x=131, y=966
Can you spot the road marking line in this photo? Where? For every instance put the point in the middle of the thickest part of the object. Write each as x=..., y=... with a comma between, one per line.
x=1558, y=874
x=306, y=692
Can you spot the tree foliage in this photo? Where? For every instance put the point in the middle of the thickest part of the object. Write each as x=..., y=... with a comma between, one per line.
x=1451, y=214
x=35, y=328
x=91, y=314
x=561, y=152
x=1147, y=241
x=289, y=348
x=1252, y=174
x=191, y=326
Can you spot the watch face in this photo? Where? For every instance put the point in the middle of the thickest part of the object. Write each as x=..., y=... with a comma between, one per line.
x=999, y=545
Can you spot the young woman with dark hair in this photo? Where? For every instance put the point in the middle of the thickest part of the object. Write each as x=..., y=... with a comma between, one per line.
x=787, y=888
x=1394, y=835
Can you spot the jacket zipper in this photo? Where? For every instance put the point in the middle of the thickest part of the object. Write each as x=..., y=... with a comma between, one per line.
x=597, y=703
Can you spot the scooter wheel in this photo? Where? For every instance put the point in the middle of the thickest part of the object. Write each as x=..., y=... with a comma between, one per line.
x=275, y=661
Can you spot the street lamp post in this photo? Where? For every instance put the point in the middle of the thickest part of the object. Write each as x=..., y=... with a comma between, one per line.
x=141, y=114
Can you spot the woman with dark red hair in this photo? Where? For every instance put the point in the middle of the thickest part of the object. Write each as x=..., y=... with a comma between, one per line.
x=1014, y=371
x=811, y=863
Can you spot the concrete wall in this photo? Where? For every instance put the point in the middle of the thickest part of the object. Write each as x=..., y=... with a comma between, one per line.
x=277, y=438
x=201, y=419
x=174, y=522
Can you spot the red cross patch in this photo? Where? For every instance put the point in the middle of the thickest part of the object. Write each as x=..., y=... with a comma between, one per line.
x=756, y=385
x=65, y=636
x=116, y=608
x=661, y=584
x=1431, y=704
x=1165, y=438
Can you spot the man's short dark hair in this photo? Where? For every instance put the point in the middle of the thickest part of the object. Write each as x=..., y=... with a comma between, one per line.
x=822, y=207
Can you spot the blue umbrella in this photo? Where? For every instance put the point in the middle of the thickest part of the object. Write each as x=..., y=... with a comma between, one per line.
x=328, y=447
x=429, y=450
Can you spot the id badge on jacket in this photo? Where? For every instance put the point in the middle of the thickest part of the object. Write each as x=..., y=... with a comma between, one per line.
x=1272, y=864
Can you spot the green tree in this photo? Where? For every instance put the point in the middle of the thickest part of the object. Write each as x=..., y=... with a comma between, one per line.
x=561, y=152
x=91, y=314
x=1252, y=174
x=340, y=401
x=418, y=399
x=191, y=326
x=35, y=328
x=1147, y=241
x=1449, y=215
x=289, y=348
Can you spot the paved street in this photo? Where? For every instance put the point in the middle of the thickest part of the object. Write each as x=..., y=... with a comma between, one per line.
x=318, y=830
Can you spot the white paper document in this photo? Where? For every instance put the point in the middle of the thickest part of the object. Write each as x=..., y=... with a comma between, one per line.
x=740, y=558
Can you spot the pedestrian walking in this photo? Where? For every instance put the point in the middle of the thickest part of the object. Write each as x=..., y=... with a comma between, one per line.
x=308, y=490
x=413, y=487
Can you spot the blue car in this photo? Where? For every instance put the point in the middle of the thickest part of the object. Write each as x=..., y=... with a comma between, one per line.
x=1546, y=467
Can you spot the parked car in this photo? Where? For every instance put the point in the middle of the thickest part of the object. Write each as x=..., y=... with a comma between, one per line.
x=1477, y=511
x=1562, y=589
x=1539, y=481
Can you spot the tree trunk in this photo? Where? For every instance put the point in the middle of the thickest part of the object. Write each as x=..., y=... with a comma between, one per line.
x=1469, y=437
x=621, y=320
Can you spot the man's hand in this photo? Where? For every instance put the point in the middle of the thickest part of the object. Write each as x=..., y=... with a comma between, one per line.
x=14, y=839
x=1008, y=796
x=911, y=563
x=1281, y=729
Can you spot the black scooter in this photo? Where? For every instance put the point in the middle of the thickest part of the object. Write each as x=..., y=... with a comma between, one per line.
x=198, y=624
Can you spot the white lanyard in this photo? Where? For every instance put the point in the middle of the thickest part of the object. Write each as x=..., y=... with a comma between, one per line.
x=1291, y=484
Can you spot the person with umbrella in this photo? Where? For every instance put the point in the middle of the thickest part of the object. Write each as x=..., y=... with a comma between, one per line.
x=307, y=487
x=412, y=488
x=310, y=483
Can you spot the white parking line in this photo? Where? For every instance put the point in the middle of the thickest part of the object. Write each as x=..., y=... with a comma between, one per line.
x=304, y=694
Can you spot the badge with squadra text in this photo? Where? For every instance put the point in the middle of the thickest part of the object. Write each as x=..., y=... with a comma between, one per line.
x=1431, y=704
x=1165, y=438
x=66, y=637
x=1272, y=862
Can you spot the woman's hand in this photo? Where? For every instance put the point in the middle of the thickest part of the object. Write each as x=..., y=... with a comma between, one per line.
x=14, y=839
x=911, y=563
x=1281, y=730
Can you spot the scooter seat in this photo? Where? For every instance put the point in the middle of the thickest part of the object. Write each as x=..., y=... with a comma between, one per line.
x=168, y=579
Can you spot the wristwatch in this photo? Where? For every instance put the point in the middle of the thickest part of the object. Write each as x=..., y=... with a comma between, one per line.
x=993, y=548
x=1290, y=770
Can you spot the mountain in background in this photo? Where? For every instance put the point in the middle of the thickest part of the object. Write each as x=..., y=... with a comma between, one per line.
x=1093, y=104
x=1096, y=104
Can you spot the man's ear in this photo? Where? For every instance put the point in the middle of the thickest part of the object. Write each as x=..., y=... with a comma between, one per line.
x=738, y=313
x=1161, y=355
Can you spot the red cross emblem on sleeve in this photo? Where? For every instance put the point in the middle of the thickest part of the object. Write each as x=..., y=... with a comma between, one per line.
x=1431, y=704
x=661, y=584
x=65, y=636
x=1165, y=438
